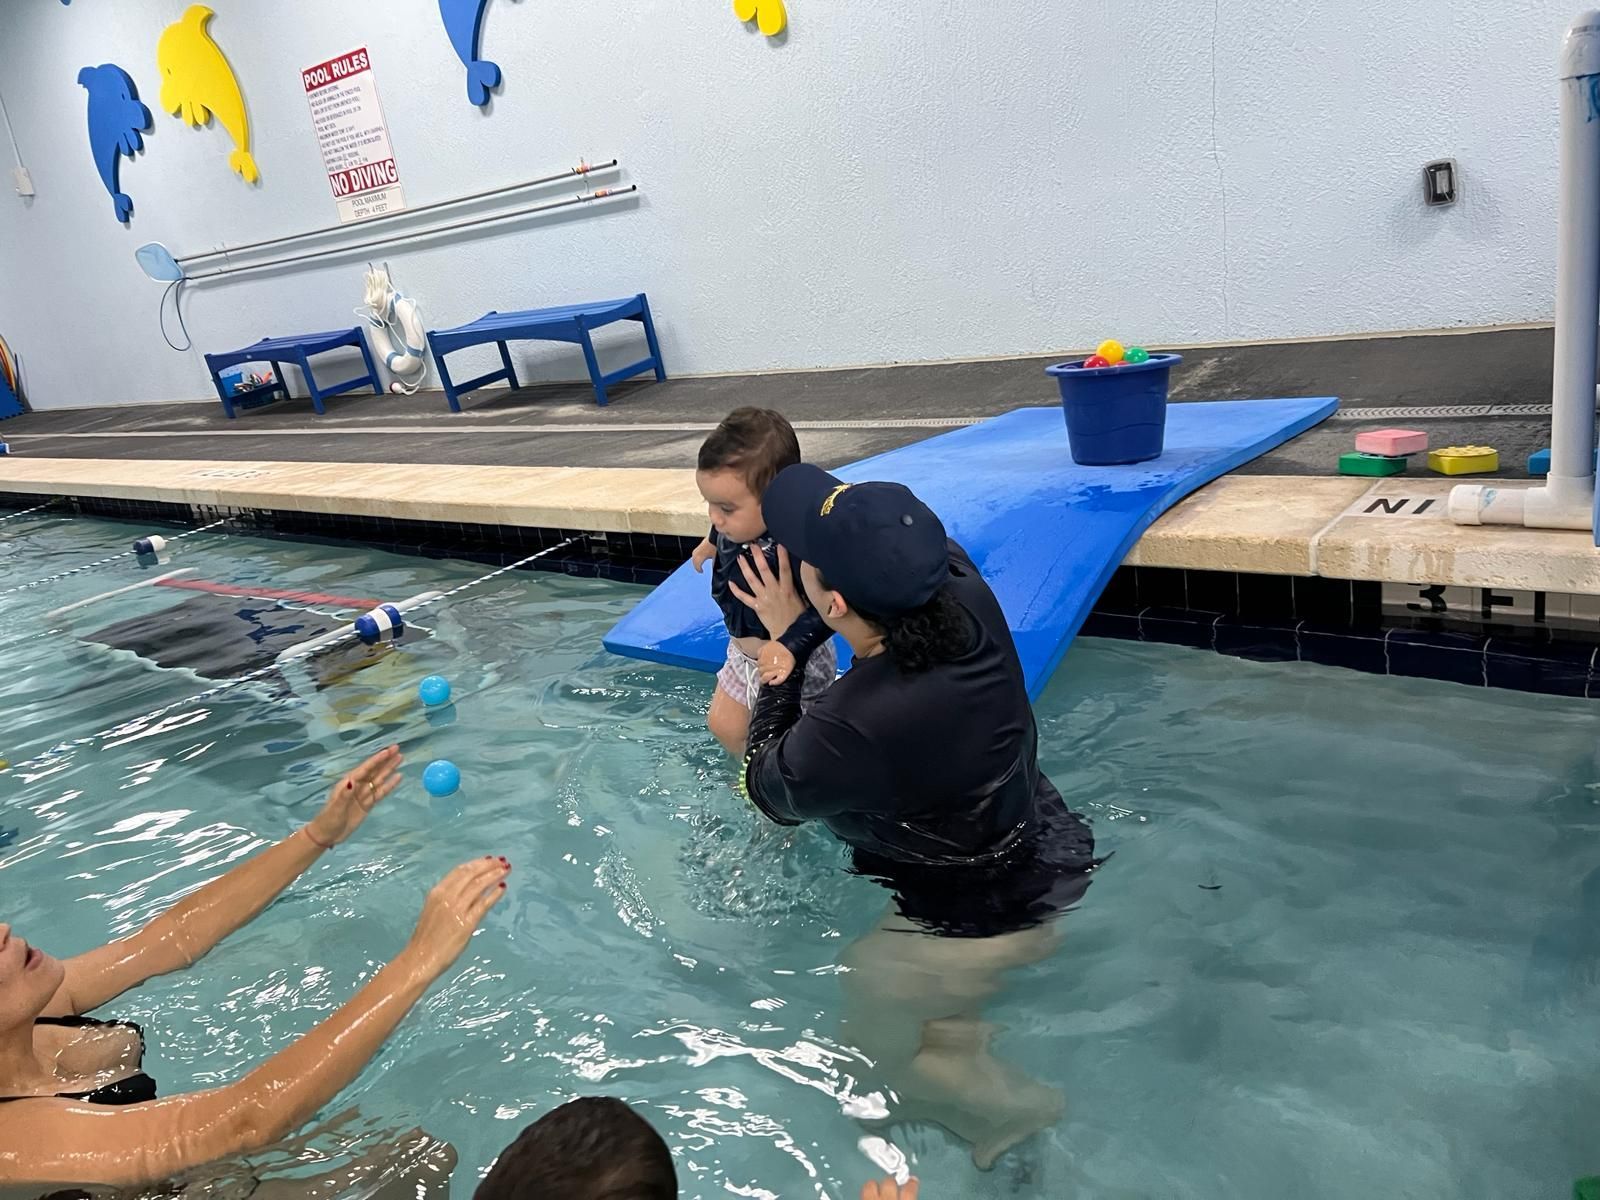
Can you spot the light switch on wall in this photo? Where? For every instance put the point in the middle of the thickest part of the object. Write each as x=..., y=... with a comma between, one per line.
x=1441, y=182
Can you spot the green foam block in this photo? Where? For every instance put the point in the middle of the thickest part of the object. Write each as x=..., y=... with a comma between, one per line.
x=1357, y=463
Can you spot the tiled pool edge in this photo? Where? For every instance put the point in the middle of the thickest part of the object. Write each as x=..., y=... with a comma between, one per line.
x=1541, y=642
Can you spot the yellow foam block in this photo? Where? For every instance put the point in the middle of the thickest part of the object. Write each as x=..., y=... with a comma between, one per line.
x=1464, y=460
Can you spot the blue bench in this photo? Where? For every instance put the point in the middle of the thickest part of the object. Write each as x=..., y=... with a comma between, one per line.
x=299, y=351
x=569, y=323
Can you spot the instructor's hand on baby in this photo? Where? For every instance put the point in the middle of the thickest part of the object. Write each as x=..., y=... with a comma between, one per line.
x=703, y=553
x=775, y=664
x=774, y=598
x=354, y=796
x=453, y=909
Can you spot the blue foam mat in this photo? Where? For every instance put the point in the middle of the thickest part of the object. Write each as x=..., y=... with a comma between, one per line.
x=1046, y=533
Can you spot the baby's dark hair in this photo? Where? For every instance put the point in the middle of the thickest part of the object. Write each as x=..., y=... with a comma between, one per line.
x=755, y=442
x=590, y=1149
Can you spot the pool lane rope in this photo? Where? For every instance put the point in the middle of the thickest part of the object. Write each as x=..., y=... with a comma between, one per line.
x=100, y=562
x=26, y=511
x=311, y=649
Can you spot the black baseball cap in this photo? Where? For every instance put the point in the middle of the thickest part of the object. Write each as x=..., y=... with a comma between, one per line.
x=876, y=544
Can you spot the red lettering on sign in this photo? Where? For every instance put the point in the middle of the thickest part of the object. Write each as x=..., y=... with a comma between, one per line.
x=364, y=178
x=336, y=69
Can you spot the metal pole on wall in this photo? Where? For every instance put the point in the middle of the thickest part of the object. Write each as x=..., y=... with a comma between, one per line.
x=580, y=171
x=412, y=234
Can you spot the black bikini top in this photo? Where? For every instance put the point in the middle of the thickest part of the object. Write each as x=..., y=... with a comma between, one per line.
x=135, y=1089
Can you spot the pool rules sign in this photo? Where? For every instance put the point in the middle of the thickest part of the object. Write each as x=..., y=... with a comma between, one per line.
x=354, y=137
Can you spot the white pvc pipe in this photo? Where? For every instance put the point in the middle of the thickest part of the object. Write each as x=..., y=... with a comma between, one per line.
x=1566, y=501
x=121, y=591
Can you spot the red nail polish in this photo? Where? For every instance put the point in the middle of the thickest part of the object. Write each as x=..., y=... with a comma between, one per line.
x=502, y=887
x=350, y=785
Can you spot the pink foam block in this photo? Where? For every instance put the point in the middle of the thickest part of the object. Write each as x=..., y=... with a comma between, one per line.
x=1392, y=443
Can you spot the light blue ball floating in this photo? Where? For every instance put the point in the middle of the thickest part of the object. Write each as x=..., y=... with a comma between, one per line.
x=434, y=691
x=441, y=778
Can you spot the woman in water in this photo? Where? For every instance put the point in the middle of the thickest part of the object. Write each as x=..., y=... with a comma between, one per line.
x=75, y=1104
x=923, y=757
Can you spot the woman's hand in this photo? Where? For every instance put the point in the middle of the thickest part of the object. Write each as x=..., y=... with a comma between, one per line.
x=454, y=909
x=774, y=599
x=775, y=664
x=890, y=1190
x=353, y=797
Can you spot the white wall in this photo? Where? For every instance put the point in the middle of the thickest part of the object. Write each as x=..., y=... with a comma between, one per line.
x=898, y=181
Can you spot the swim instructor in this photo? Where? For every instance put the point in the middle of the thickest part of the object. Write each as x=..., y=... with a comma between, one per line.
x=924, y=758
x=924, y=755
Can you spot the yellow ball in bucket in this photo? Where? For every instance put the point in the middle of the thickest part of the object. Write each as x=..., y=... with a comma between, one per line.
x=1112, y=351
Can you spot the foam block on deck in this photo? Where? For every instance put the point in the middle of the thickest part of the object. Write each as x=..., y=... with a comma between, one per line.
x=1391, y=443
x=1046, y=533
x=1359, y=463
x=1539, y=462
x=1464, y=460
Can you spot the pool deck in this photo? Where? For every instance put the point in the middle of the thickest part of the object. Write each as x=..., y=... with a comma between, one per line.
x=547, y=457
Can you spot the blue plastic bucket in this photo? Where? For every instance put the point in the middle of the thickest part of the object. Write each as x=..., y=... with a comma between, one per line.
x=1115, y=414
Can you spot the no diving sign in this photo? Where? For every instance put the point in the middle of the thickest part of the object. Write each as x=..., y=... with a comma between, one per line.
x=353, y=136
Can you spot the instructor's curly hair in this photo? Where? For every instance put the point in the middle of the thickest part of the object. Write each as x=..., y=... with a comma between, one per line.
x=940, y=631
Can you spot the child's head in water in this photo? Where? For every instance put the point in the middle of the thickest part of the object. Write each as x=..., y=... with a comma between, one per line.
x=737, y=462
x=590, y=1149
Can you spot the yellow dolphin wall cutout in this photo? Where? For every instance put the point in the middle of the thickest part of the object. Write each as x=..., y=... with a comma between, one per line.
x=196, y=81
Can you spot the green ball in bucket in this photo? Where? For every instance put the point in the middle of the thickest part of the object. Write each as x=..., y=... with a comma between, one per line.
x=1115, y=414
x=1136, y=355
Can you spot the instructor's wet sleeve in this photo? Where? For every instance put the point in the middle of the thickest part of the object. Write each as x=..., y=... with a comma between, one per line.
x=796, y=767
x=805, y=637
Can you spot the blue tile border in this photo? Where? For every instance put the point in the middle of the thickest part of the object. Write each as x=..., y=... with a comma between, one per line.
x=1332, y=622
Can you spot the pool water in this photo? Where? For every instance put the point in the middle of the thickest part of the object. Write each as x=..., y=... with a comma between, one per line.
x=1348, y=944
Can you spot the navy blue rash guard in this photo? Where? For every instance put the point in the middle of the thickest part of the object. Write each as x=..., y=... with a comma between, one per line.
x=932, y=778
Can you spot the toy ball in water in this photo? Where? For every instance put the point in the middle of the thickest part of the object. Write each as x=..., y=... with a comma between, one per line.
x=434, y=691
x=1095, y=360
x=1137, y=355
x=441, y=778
x=1111, y=350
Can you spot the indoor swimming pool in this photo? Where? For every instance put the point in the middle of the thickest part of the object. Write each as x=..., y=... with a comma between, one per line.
x=1346, y=945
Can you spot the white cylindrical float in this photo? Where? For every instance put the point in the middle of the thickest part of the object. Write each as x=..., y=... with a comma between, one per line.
x=382, y=624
